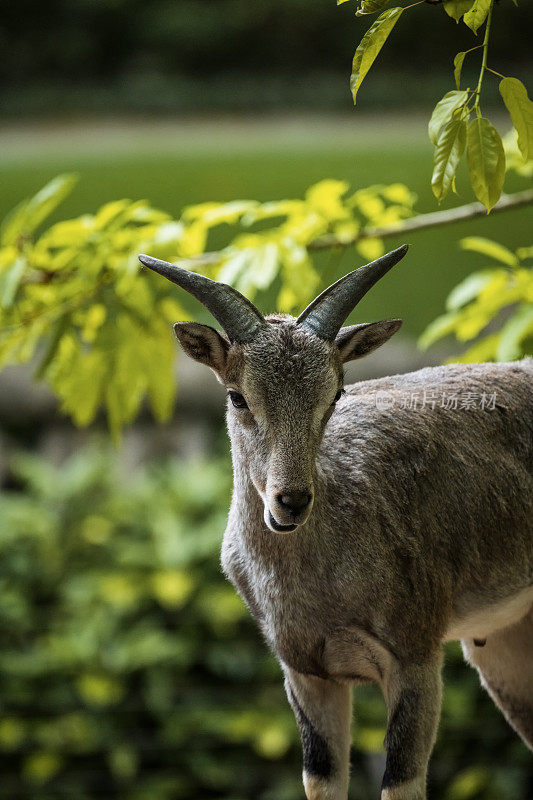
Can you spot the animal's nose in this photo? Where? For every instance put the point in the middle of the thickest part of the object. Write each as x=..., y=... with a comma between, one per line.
x=295, y=502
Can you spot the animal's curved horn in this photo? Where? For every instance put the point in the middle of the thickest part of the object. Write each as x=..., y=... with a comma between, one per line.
x=240, y=319
x=325, y=315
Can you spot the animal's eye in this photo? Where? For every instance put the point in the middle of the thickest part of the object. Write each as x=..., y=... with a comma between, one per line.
x=238, y=400
x=337, y=396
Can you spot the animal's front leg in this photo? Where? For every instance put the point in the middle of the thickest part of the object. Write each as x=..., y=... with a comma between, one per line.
x=323, y=711
x=413, y=695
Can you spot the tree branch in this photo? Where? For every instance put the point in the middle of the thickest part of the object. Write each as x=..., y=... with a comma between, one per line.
x=431, y=220
x=418, y=223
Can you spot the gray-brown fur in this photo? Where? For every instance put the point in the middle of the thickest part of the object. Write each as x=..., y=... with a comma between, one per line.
x=419, y=517
x=420, y=529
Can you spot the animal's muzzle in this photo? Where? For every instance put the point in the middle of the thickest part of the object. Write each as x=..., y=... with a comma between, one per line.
x=295, y=502
x=280, y=528
x=288, y=508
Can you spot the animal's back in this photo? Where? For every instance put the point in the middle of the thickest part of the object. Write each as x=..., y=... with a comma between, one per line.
x=441, y=461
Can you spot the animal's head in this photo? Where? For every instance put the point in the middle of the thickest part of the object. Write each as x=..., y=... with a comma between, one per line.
x=283, y=375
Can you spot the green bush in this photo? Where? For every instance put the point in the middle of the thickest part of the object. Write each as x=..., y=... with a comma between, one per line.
x=130, y=668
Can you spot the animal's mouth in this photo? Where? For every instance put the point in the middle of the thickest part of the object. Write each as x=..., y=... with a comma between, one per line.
x=279, y=528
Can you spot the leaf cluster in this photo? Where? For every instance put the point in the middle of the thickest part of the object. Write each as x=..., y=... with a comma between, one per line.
x=74, y=299
x=492, y=306
x=457, y=124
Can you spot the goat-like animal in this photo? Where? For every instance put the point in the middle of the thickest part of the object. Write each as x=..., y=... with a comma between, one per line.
x=369, y=525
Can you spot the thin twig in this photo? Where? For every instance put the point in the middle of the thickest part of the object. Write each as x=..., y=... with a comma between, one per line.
x=494, y=72
x=423, y=221
x=418, y=223
x=483, y=60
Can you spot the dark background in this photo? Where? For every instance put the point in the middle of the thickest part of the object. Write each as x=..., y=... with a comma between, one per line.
x=202, y=55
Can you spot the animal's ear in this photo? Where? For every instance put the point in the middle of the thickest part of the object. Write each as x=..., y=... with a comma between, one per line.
x=203, y=343
x=355, y=341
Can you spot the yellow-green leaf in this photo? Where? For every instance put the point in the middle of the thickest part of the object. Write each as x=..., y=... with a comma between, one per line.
x=448, y=152
x=520, y=108
x=156, y=353
x=468, y=783
x=370, y=740
x=486, y=161
x=468, y=290
x=483, y=350
x=456, y=8
x=41, y=767
x=27, y=216
x=514, y=160
x=370, y=45
x=326, y=198
x=272, y=741
x=444, y=111
x=172, y=587
x=457, y=67
x=370, y=7
x=514, y=331
x=370, y=248
x=10, y=281
x=478, y=244
x=477, y=14
x=440, y=327
x=524, y=252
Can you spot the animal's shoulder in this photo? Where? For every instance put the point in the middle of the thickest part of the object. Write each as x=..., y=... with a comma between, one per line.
x=440, y=406
x=515, y=375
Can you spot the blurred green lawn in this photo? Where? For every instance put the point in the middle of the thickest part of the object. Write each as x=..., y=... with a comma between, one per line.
x=176, y=164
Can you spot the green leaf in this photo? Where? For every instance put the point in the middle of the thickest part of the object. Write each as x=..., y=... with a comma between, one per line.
x=456, y=8
x=486, y=161
x=157, y=354
x=458, y=65
x=370, y=7
x=10, y=281
x=444, y=111
x=59, y=327
x=483, y=350
x=477, y=14
x=440, y=327
x=468, y=290
x=524, y=252
x=370, y=45
x=520, y=108
x=448, y=152
x=29, y=215
x=514, y=331
x=478, y=244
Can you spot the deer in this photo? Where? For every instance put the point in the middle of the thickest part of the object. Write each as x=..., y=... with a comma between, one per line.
x=364, y=530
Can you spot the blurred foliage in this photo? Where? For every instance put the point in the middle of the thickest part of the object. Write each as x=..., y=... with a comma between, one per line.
x=452, y=128
x=75, y=298
x=130, y=669
x=493, y=306
x=488, y=294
